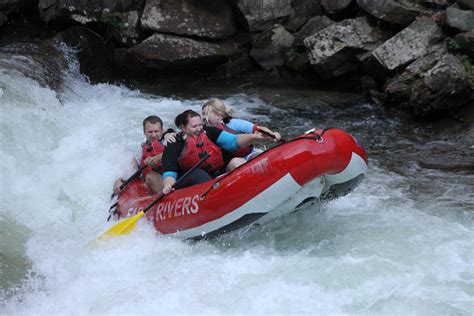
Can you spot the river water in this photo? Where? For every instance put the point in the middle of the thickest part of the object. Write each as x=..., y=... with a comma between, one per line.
x=401, y=243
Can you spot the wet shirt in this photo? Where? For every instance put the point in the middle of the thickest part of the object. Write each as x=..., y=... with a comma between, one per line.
x=241, y=126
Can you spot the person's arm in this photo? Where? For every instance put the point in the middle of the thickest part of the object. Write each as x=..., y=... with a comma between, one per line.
x=230, y=142
x=170, y=166
x=246, y=127
x=169, y=136
x=168, y=184
x=276, y=136
x=118, y=182
x=153, y=161
x=244, y=140
x=242, y=126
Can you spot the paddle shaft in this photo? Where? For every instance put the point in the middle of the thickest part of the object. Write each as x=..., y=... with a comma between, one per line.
x=187, y=173
x=132, y=177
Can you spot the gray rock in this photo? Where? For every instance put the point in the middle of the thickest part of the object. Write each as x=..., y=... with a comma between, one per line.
x=411, y=43
x=466, y=43
x=396, y=11
x=260, y=15
x=302, y=11
x=466, y=4
x=460, y=19
x=164, y=52
x=236, y=67
x=203, y=18
x=333, y=6
x=313, y=26
x=433, y=84
x=83, y=11
x=79, y=11
x=269, y=48
x=332, y=49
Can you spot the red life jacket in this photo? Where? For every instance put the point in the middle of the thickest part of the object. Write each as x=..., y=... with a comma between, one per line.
x=150, y=150
x=241, y=152
x=195, y=148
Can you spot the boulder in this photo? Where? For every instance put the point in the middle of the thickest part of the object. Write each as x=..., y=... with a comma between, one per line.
x=83, y=11
x=313, y=26
x=334, y=6
x=332, y=49
x=171, y=52
x=411, y=43
x=460, y=19
x=466, y=4
x=203, y=18
x=395, y=11
x=432, y=85
x=260, y=15
x=236, y=67
x=466, y=43
x=302, y=11
x=269, y=48
x=79, y=11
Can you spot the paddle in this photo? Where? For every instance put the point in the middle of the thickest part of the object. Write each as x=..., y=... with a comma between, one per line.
x=126, y=226
x=122, y=186
x=132, y=177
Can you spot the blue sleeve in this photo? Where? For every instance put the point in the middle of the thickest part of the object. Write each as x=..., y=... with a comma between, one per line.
x=241, y=126
x=227, y=141
x=170, y=174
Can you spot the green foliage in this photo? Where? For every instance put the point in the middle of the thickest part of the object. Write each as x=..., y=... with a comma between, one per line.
x=468, y=65
x=292, y=53
x=113, y=20
x=453, y=45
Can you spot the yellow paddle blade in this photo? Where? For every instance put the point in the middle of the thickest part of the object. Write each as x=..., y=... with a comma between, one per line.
x=125, y=227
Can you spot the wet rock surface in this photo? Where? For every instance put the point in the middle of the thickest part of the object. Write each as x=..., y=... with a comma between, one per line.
x=429, y=84
x=161, y=51
x=208, y=18
x=369, y=42
x=411, y=43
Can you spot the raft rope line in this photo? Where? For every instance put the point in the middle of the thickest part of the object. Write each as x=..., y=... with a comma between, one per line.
x=317, y=137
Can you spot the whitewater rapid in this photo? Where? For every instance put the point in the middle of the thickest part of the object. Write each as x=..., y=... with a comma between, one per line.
x=380, y=250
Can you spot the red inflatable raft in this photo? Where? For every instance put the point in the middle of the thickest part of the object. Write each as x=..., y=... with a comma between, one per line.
x=316, y=165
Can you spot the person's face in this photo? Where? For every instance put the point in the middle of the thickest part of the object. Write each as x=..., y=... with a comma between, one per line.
x=194, y=126
x=212, y=118
x=153, y=131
